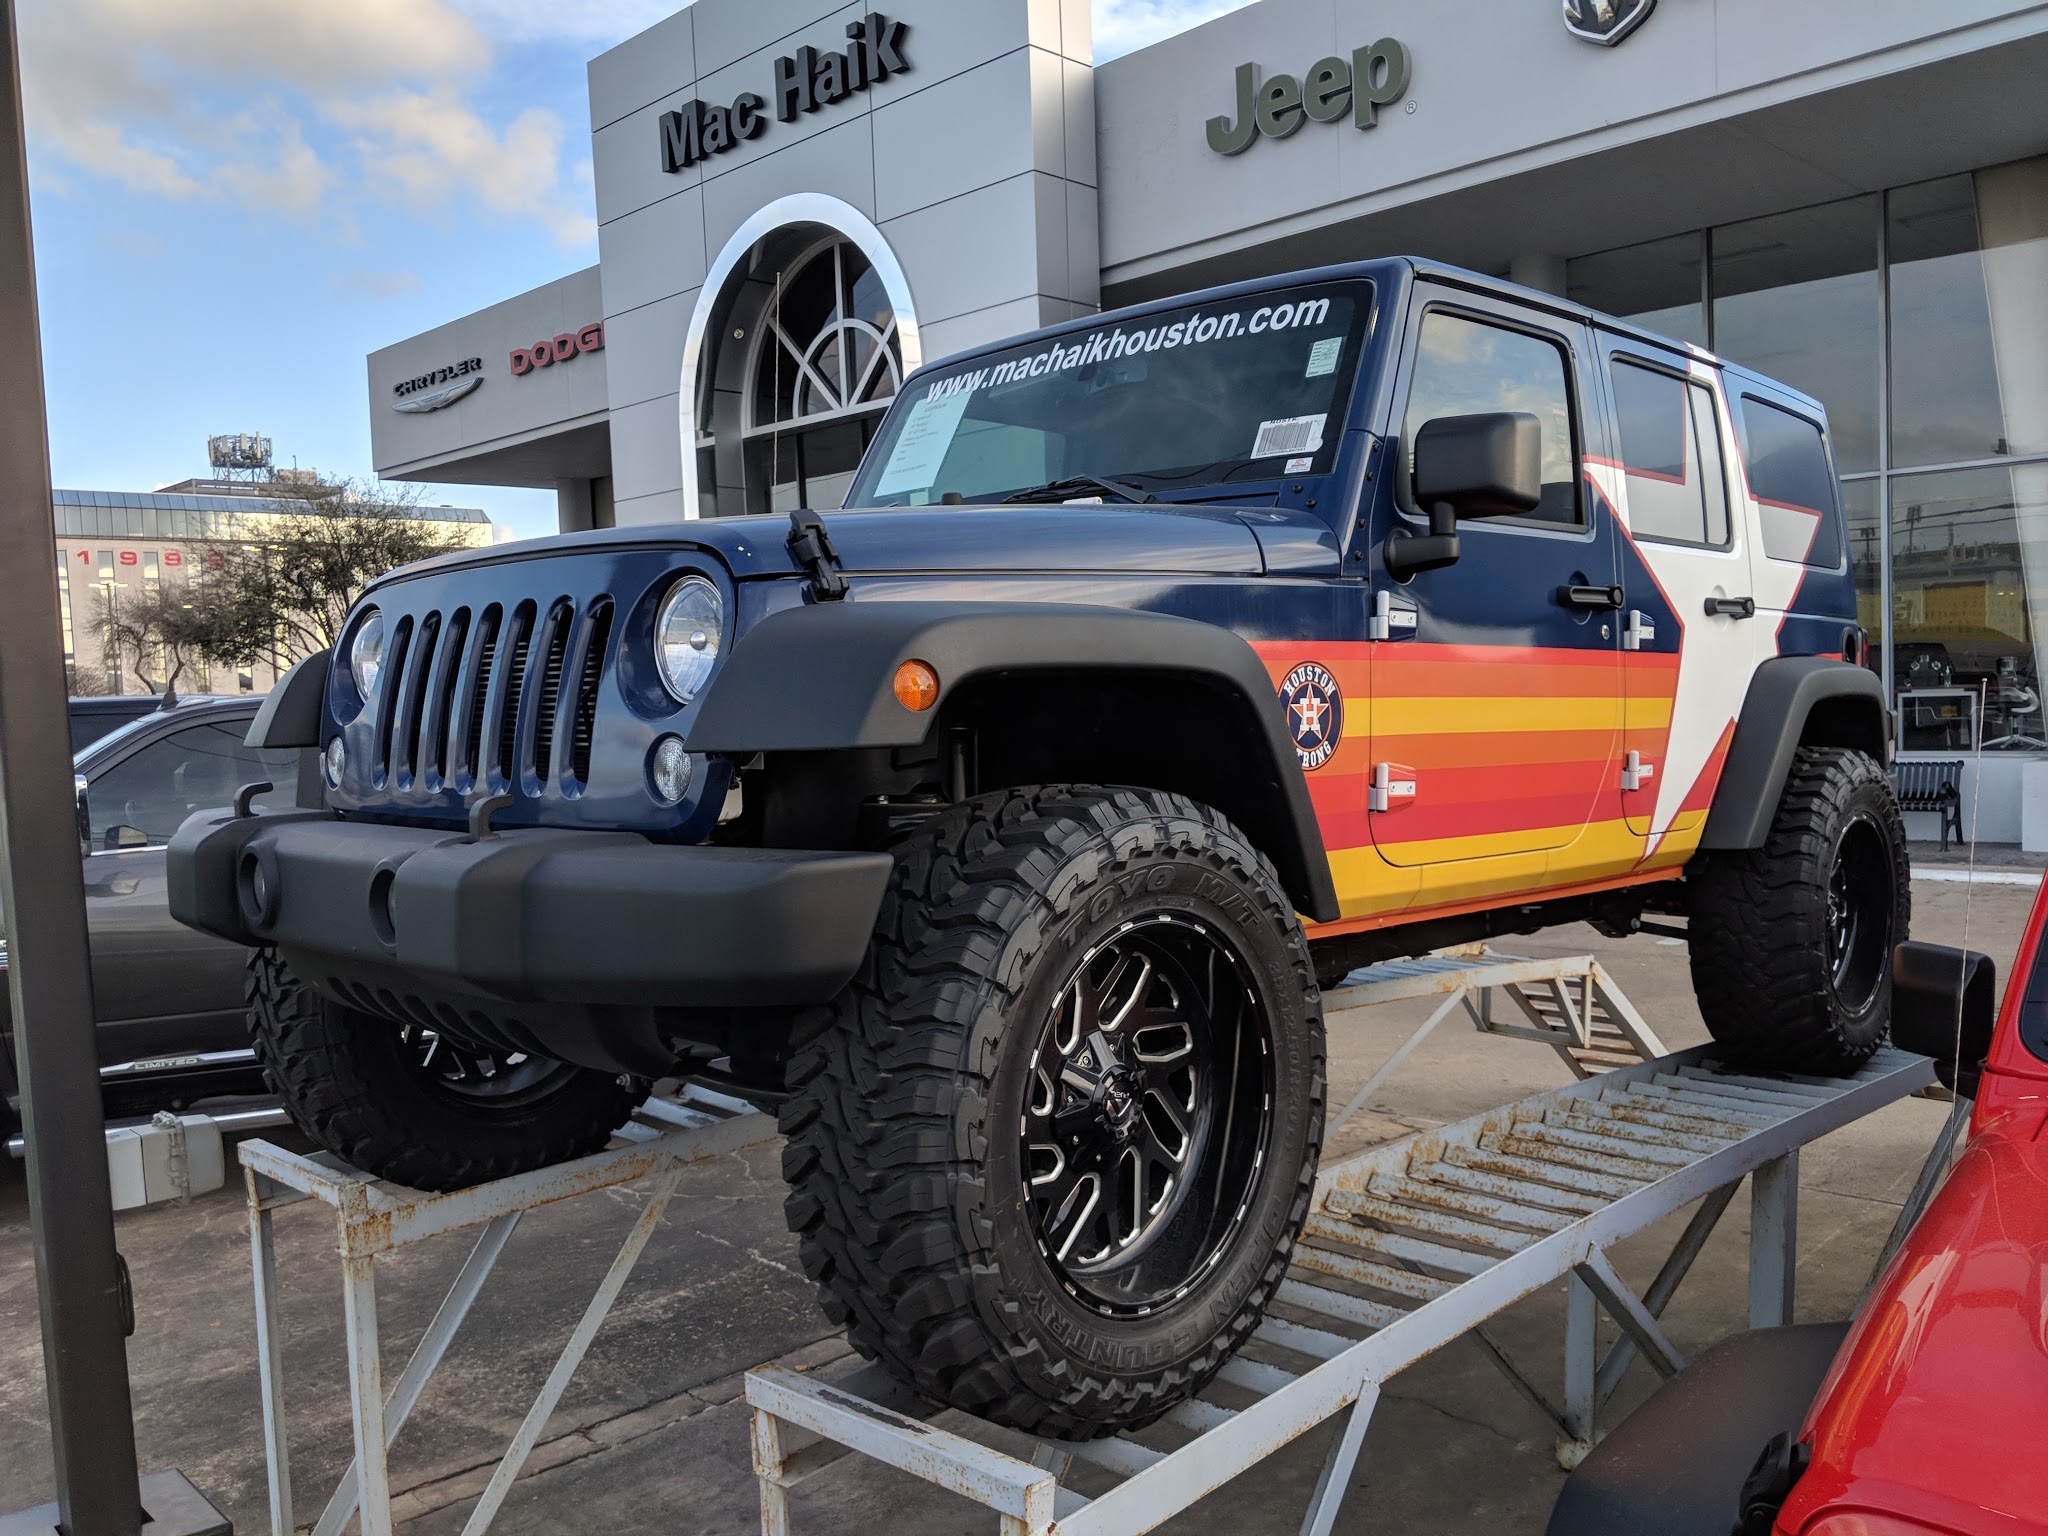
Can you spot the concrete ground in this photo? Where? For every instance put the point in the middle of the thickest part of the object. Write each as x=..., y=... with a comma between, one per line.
x=651, y=1435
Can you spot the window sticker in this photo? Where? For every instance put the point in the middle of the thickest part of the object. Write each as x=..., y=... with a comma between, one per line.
x=922, y=445
x=1322, y=357
x=1300, y=466
x=1290, y=434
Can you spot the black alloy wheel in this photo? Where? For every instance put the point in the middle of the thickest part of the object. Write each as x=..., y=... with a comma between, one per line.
x=1049, y=1151
x=1147, y=1114
x=1791, y=942
x=479, y=1075
x=409, y=1104
x=1859, y=913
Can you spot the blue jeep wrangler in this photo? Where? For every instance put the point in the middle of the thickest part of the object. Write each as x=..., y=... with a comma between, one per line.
x=1003, y=830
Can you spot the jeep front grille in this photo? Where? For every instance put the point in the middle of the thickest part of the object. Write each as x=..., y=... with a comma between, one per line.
x=503, y=701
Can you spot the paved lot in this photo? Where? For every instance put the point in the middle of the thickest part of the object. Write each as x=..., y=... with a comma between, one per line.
x=651, y=1436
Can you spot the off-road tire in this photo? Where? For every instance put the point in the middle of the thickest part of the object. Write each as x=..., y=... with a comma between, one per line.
x=350, y=1081
x=907, y=1188
x=1761, y=966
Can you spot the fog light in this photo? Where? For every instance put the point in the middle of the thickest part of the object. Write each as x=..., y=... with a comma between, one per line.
x=670, y=769
x=337, y=760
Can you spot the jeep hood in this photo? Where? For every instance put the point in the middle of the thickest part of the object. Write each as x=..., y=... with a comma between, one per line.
x=1162, y=537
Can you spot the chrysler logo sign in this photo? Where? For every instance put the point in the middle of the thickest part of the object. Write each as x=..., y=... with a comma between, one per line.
x=444, y=386
x=1605, y=22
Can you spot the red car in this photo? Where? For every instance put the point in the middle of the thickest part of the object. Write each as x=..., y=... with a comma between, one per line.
x=1928, y=1414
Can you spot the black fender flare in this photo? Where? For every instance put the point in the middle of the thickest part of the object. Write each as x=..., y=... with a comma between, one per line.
x=1783, y=694
x=290, y=716
x=820, y=678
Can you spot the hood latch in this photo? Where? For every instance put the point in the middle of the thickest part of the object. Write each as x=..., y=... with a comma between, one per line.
x=810, y=546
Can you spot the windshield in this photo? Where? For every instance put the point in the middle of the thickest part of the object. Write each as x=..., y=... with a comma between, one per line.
x=1252, y=389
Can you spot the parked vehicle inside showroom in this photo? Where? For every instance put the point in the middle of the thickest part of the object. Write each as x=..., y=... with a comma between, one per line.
x=1176, y=662
x=1913, y=1419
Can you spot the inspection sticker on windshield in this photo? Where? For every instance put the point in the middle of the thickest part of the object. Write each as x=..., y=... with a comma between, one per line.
x=1290, y=434
x=1322, y=357
x=922, y=444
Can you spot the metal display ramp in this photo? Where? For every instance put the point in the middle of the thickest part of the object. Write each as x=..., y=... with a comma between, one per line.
x=1407, y=1247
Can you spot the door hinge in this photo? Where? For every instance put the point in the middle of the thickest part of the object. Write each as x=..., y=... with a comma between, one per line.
x=1635, y=773
x=1638, y=629
x=1388, y=618
x=1391, y=785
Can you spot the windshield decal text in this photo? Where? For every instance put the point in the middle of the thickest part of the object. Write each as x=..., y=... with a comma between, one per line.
x=1106, y=346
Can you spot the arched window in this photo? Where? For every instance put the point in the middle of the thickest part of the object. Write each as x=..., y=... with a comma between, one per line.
x=828, y=344
x=801, y=337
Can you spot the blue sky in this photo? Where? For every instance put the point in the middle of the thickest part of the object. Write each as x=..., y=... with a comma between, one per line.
x=236, y=200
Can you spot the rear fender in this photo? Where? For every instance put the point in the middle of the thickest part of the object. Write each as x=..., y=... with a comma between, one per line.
x=1793, y=701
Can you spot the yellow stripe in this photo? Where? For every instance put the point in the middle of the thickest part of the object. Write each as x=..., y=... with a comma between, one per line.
x=1450, y=869
x=1492, y=714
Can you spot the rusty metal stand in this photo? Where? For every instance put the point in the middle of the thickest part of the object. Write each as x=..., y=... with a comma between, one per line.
x=1567, y=1002
x=372, y=1217
x=1408, y=1247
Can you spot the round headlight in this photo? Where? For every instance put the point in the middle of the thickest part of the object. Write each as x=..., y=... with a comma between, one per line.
x=670, y=768
x=686, y=635
x=337, y=763
x=366, y=654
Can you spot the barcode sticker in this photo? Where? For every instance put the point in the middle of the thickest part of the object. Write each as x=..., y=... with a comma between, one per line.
x=1290, y=434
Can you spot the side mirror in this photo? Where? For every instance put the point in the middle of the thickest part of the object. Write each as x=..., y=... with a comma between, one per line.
x=81, y=813
x=1468, y=466
x=122, y=836
x=1933, y=986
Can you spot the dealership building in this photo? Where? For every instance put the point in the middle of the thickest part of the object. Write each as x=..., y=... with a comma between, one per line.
x=798, y=206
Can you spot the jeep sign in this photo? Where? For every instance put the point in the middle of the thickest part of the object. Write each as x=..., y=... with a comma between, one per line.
x=1375, y=76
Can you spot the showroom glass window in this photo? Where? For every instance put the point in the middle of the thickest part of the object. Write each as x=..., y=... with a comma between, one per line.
x=1961, y=628
x=1658, y=285
x=1945, y=283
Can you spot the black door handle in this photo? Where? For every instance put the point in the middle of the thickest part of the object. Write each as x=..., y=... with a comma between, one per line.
x=1590, y=597
x=1731, y=607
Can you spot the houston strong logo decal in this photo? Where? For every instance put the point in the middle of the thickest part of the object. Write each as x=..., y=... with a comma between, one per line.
x=1315, y=713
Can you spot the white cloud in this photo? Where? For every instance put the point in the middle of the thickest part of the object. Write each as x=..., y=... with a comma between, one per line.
x=424, y=147
x=589, y=24
x=1123, y=25
x=241, y=99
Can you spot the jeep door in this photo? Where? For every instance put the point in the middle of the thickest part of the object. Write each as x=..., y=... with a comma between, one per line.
x=1496, y=704
x=1688, y=624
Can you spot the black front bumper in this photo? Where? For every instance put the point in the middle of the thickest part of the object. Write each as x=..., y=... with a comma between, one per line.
x=599, y=948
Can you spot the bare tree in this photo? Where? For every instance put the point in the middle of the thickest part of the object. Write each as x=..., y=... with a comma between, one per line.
x=284, y=591
x=84, y=682
x=158, y=633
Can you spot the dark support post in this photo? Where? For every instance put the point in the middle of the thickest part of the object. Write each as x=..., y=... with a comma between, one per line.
x=92, y=1435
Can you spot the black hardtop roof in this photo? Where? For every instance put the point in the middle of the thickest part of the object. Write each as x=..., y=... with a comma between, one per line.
x=1383, y=268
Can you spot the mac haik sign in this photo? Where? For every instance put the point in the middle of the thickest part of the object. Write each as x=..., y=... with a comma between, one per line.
x=1374, y=76
x=802, y=82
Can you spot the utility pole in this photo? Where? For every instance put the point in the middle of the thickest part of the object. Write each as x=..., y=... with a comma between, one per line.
x=80, y=1281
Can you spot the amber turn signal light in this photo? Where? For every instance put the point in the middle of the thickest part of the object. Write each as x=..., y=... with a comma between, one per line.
x=917, y=686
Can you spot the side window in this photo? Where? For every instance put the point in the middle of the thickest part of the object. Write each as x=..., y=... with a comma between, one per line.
x=1671, y=456
x=1793, y=483
x=1464, y=367
x=141, y=800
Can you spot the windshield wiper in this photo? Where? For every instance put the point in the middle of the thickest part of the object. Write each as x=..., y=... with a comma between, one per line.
x=1062, y=490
